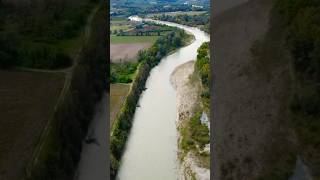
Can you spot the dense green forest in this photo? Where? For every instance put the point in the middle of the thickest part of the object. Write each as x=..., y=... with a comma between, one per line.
x=301, y=20
x=61, y=152
x=147, y=59
x=34, y=35
x=201, y=20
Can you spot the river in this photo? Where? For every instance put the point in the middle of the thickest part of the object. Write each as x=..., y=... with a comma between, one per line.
x=94, y=162
x=151, y=150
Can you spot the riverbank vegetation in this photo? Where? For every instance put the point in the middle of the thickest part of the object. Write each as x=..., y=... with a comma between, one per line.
x=300, y=19
x=202, y=69
x=60, y=147
x=40, y=38
x=194, y=131
x=147, y=60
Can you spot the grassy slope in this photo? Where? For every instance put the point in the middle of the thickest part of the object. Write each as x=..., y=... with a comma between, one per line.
x=118, y=93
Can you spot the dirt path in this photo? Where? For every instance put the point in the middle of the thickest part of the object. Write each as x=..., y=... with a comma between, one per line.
x=246, y=104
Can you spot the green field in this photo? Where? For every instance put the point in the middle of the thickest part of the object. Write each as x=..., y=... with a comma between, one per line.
x=120, y=27
x=118, y=94
x=132, y=39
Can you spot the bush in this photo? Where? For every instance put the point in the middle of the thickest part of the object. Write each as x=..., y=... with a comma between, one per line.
x=122, y=72
x=199, y=132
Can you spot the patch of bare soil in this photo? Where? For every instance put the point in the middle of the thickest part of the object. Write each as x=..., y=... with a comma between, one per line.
x=249, y=125
x=126, y=52
x=27, y=101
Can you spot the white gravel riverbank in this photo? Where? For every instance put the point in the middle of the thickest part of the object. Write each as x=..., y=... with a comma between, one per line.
x=187, y=100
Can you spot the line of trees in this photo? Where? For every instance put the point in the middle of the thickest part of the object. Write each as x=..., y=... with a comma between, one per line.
x=147, y=59
x=202, y=68
x=62, y=153
x=201, y=20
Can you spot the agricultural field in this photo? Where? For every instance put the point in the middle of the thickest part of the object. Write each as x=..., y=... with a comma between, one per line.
x=118, y=94
x=127, y=38
x=126, y=48
x=27, y=101
x=126, y=52
x=120, y=24
x=132, y=39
